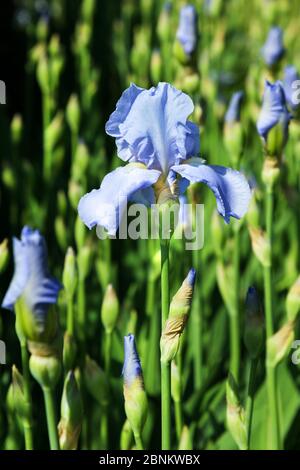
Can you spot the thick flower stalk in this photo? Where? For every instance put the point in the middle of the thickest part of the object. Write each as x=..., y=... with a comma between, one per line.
x=134, y=392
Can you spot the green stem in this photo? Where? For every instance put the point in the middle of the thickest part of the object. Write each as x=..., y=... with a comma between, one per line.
x=165, y=368
x=235, y=320
x=270, y=371
x=138, y=442
x=51, y=419
x=107, y=356
x=104, y=428
x=81, y=317
x=28, y=426
x=250, y=399
x=196, y=319
x=47, y=161
x=70, y=316
x=178, y=418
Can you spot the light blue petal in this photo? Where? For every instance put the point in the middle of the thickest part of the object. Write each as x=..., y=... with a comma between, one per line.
x=105, y=206
x=233, y=112
x=273, y=110
x=230, y=187
x=273, y=49
x=31, y=278
x=187, y=30
x=132, y=366
x=155, y=131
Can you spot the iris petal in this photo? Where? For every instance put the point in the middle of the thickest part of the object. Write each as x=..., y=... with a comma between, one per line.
x=230, y=187
x=274, y=109
x=105, y=206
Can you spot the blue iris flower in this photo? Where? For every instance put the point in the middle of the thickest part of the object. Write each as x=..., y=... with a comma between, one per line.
x=31, y=279
x=273, y=49
x=233, y=112
x=132, y=368
x=289, y=86
x=187, y=30
x=154, y=136
x=273, y=110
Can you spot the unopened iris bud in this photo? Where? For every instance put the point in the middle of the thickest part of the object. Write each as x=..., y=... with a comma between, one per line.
x=233, y=132
x=84, y=261
x=4, y=255
x=178, y=315
x=70, y=273
x=135, y=397
x=61, y=232
x=126, y=440
x=175, y=382
x=71, y=412
x=273, y=121
x=279, y=344
x=54, y=131
x=62, y=202
x=69, y=351
x=254, y=324
x=16, y=127
x=96, y=381
x=110, y=309
x=75, y=192
x=87, y=10
x=164, y=22
x=155, y=66
x=260, y=246
x=42, y=28
x=73, y=113
x=20, y=404
x=80, y=162
x=273, y=49
x=235, y=414
x=225, y=278
x=45, y=369
x=293, y=301
x=43, y=74
x=187, y=34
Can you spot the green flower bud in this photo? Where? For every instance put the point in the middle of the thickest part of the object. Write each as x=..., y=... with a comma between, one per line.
x=164, y=24
x=4, y=255
x=233, y=140
x=225, y=278
x=109, y=309
x=62, y=203
x=28, y=326
x=71, y=412
x=61, y=232
x=270, y=171
x=293, y=301
x=175, y=382
x=16, y=127
x=185, y=442
x=80, y=233
x=69, y=351
x=178, y=315
x=20, y=405
x=43, y=74
x=275, y=141
x=54, y=131
x=132, y=321
x=80, y=162
x=260, y=246
x=84, y=261
x=8, y=177
x=235, y=414
x=73, y=113
x=254, y=324
x=180, y=54
x=190, y=82
x=87, y=10
x=96, y=381
x=70, y=273
x=253, y=212
x=279, y=344
x=155, y=66
x=126, y=439
x=42, y=29
x=45, y=369
x=75, y=192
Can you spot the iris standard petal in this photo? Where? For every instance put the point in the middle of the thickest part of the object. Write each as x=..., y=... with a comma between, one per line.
x=132, y=366
x=105, y=206
x=273, y=110
x=20, y=276
x=155, y=131
x=187, y=30
x=230, y=187
x=234, y=109
x=273, y=49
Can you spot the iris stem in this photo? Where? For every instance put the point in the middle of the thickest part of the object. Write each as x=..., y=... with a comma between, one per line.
x=51, y=418
x=196, y=319
x=28, y=426
x=70, y=316
x=250, y=399
x=271, y=371
x=138, y=442
x=234, y=318
x=107, y=354
x=165, y=368
x=104, y=428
